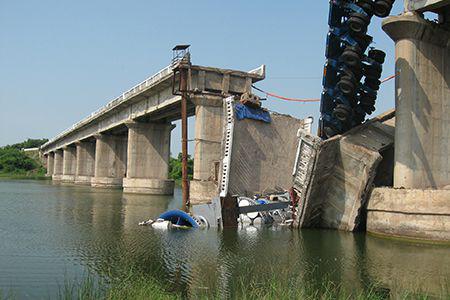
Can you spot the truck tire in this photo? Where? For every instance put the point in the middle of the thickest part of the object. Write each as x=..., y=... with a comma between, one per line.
x=346, y=85
x=368, y=100
x=377, y=55
x=351, y=58
x=374, y=84
x=367, y=6
x=382, y=8
x=357, y=25
x=329, y=131
x=342, y=112
x=353, y=72
x=372, y=73
x=363, y=40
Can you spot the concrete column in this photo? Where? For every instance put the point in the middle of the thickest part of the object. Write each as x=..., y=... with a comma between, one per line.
x=50, y=163
x=110, y=160
x=85, y=165
x=422, y=100
x=208, y=139
x=58, y=165
x=69, y=163
x=148, y=159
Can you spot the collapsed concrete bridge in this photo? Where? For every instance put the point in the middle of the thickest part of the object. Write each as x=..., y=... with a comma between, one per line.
x=127, y=142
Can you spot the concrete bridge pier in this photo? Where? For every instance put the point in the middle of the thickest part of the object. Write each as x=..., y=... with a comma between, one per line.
x=208, y=138
x=85, y=165
x=418, y=206
x=148, y=158
x=50, y=163
x=422, y=131
x=58, y=165
x=69, y=164
x=110, y=160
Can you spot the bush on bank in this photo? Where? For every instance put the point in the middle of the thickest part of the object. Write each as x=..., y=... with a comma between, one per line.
x=16, y=163
x=13, y=160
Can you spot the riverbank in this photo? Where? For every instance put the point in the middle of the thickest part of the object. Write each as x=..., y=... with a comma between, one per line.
x=135, y=286
x=32, y=175
x=141, y=286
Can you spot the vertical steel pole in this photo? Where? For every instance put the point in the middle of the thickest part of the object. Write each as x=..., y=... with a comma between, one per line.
x=184, y=138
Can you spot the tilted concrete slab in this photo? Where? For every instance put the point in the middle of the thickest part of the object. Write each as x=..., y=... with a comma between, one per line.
x=263, y=155
x=338, y=174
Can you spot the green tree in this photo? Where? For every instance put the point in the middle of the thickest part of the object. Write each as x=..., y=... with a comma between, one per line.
x=14, y=160
x=29, y=143
x=175, y=168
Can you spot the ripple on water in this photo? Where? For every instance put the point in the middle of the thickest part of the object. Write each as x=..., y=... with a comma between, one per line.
x=49, y=232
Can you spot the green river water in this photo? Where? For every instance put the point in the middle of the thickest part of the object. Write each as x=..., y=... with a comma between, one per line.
x=50, y=233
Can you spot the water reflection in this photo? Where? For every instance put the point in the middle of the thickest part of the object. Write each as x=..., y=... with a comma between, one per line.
x=75, y=229
x=408, y=266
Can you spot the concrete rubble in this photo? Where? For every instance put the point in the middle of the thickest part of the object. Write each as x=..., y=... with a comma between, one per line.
x=333, y=178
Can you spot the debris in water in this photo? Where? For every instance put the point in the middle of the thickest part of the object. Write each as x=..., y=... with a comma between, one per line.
x=177, y=219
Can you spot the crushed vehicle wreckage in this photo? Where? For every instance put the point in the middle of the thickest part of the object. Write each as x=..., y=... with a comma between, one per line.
x=274, y=171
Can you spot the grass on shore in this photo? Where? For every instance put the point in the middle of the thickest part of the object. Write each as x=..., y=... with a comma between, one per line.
x=38, y=174
x=144, y=287
x=140, y=286
x=133, y=287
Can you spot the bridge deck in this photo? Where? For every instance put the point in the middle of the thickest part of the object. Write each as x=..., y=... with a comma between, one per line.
x=152, y=100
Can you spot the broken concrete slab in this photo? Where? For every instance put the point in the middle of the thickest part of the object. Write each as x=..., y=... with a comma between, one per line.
x=410, y=213
x=258, y=157
x=340, y=176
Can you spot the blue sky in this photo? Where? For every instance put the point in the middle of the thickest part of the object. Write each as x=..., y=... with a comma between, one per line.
x=61, y=60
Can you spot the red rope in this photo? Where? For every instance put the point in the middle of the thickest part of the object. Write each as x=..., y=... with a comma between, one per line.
x=307, y=100
x=388, y=78
x=291, y=99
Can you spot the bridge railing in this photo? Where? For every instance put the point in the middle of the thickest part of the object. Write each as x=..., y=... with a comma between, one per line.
x=150, y=81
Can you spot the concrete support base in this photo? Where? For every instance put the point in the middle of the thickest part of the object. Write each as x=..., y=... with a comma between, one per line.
x=68, y=178
x=83, y=180
x=56, y=177
x=202, y=192
x=107, y=182
x=408, y=213
x=148, y=186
